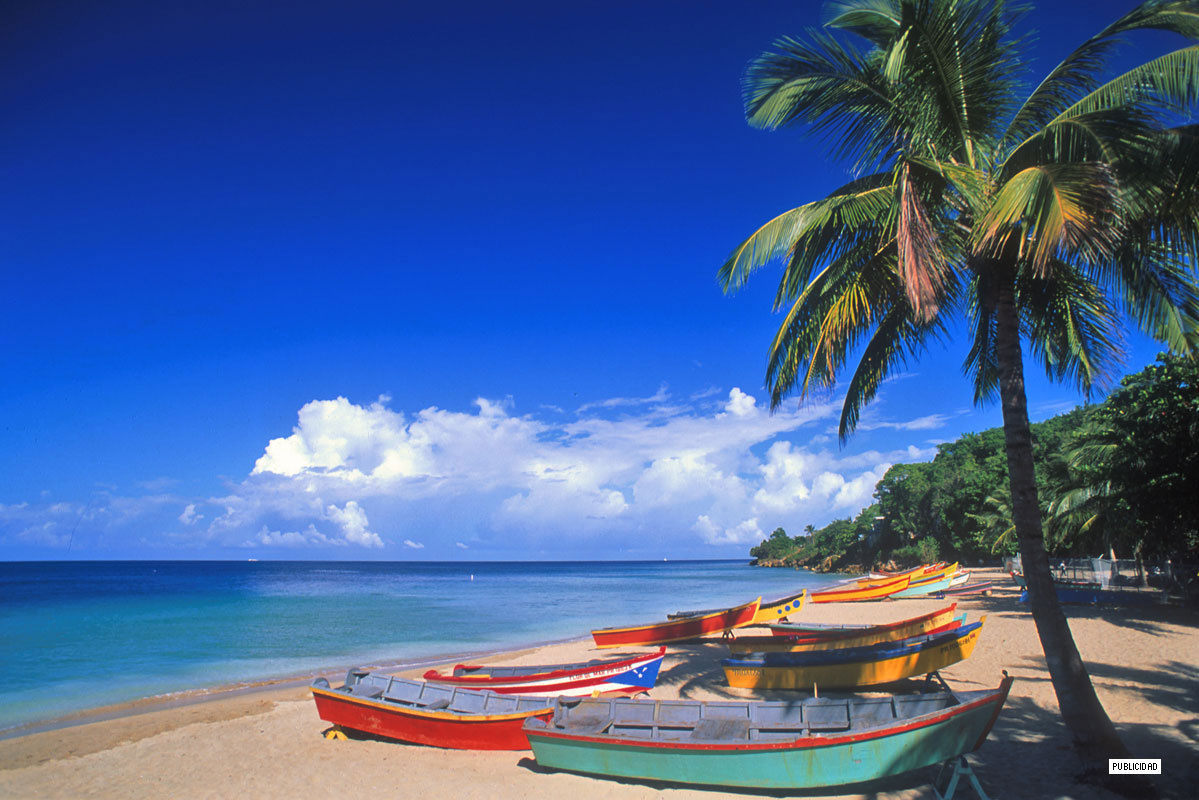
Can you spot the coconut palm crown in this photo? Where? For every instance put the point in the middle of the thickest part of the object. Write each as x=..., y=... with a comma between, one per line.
x=1035, y=224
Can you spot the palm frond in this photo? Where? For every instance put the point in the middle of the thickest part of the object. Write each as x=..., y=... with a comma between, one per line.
x=1170, y=83
x=1070, y=326
x=1067, y=210
x=830, y=219
x=899, y=336
x=1078, y=73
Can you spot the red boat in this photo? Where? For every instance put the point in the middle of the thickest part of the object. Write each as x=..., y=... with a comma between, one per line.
x=675, y=630
x=593, y=678
x=428, y=713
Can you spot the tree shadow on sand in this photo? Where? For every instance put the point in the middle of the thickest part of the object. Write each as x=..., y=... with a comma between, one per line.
x=1149, y=619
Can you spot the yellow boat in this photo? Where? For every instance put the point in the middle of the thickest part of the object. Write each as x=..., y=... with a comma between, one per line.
x=780, y=609
x=855, y=666
x=935, y=622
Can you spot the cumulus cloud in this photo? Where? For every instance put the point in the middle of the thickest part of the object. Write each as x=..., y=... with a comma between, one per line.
x=353, y=524
x=625, y=474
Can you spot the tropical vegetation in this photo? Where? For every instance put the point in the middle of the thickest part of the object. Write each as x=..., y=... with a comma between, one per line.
x=1025, y=222
x=1117, y=479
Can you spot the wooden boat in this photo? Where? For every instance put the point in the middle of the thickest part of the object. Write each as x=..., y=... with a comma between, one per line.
x=773, y=611
x=1086, y=595
x=631, y=675
x=914, y=571
x=959, y=578
x=925, y=588
x=428, y=713
x=854, y=666
x=809, y=744
x=676, y=630
x=855, y=593
x=887, y=632
x=980, y=587
x=789, y=644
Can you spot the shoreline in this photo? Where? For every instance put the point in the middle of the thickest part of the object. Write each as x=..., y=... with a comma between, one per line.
x=266, y=740
x=193, y=696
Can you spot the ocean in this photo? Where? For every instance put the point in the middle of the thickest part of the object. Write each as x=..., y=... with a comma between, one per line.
x=79, y=635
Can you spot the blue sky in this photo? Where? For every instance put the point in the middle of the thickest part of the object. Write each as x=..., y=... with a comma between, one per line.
x=433, y=281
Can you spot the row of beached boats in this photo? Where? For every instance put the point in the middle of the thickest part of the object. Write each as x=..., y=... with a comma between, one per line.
x=584, y=717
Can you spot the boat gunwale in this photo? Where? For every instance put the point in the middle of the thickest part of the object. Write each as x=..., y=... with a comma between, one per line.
x=783, y=644
x=448, y=716
x=732, y=611
x=621, y=664
x=829, y=634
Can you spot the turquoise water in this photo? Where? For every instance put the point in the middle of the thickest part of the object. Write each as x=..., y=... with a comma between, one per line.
x=79, y=635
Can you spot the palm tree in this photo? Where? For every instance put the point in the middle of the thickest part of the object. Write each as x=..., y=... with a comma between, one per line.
x=1033, y=224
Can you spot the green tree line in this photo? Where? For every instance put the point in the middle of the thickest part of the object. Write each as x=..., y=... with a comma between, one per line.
x=1118, y=478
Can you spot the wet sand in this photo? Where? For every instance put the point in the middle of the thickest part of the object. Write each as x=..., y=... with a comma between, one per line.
x=267, y=741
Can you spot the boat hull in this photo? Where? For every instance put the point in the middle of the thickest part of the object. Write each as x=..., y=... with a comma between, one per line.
x=926, y=588
x=437, y=729
x=983, y=587
x=823, y=669
x=809, y=762
x=676, y=630
x=887, y=632
x=779, y=609
x=857, y=593
x=624, y=676
x=784, y=644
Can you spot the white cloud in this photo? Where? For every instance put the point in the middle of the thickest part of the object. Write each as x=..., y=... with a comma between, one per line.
x=661, y=396
x=189, y=515
x=740, y=404
x=353, y=523
x=628, y=475
x=746, y=532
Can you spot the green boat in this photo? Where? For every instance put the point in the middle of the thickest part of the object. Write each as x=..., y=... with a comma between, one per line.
x=814, y=743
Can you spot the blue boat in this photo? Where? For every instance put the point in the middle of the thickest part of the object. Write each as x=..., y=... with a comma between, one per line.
x=1087, y=595
x=816, y=743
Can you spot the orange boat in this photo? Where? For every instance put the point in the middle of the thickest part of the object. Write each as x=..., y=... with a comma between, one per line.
x=675, y=630
x=855, y=592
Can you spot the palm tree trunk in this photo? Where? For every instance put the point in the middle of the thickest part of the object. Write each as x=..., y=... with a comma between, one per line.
x=1095, y=738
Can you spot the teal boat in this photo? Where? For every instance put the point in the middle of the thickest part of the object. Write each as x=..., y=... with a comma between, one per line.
x=814, y=743
x=925, y=589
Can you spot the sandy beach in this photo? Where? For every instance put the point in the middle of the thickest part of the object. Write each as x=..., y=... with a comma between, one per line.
x=267, y=742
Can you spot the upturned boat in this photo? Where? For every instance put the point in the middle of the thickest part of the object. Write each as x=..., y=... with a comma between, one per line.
x=428, y=713
x=855, y=592
x=768, y=612
x=789, y=644
x=855, y=666
x=631, y=675
x=809, y=744
x=676, y=630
